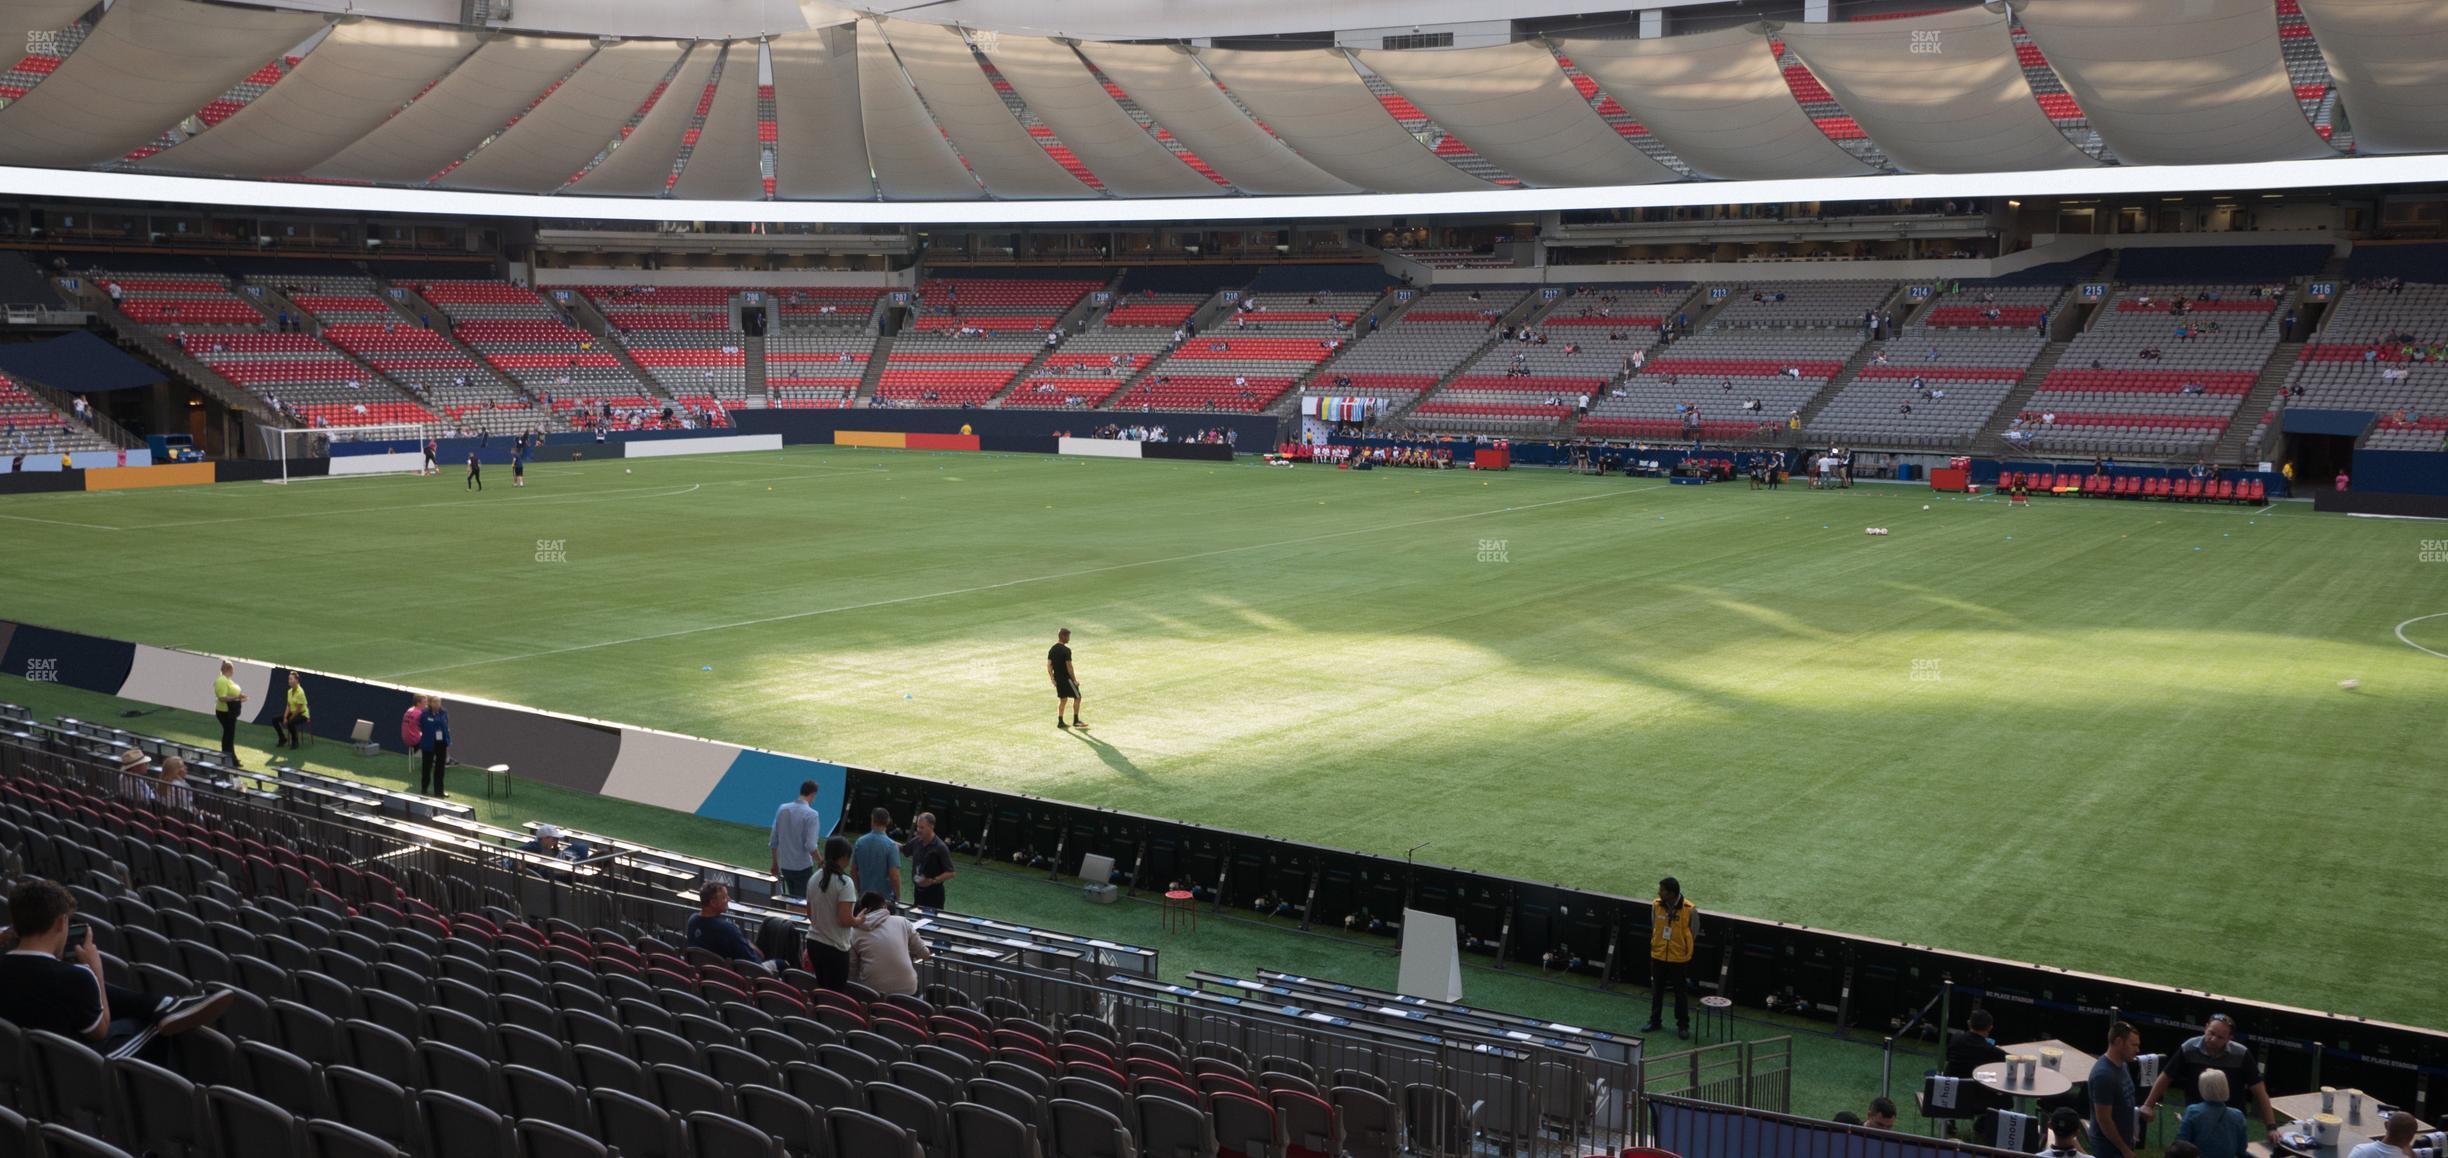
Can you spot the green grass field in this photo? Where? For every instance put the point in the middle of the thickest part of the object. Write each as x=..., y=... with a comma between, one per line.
x=2106, y=736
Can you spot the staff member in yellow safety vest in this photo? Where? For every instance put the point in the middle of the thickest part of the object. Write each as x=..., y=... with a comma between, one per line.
x=1673, y=921
x=226, y=698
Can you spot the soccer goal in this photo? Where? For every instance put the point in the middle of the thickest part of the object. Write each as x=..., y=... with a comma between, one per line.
x=378, y=448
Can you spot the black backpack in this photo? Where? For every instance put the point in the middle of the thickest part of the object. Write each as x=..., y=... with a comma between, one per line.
x=779, y=940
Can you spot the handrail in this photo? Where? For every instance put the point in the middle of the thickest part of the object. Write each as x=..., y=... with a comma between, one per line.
x=1887, y=1046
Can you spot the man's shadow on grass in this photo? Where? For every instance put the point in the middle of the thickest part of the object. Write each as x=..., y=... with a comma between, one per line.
x=1112, y=756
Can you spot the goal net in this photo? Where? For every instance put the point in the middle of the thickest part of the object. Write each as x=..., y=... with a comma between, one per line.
x=376, y=448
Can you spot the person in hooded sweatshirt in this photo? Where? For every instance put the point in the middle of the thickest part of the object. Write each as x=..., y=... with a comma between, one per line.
x=885, y=950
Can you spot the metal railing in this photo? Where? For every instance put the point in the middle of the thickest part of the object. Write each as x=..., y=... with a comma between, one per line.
x=1700, y=1129
x=450, y=876
x=1528, y=1100
x=1752, y=1074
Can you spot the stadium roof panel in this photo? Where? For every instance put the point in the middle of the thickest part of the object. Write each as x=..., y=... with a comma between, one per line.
x=2202, y=82
x=147, y=65
x=914, y=113
x=2390, y=61
x=1517, y=109
x=1719, y=100
x=1940, y=94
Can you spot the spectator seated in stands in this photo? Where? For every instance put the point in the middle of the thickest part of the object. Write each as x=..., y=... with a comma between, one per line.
x=548, y=842
x=1972, y=1047
x=172, y=793
x=2065, y=1125
x=1882, y=1114
x=710, y=930
x=40, y=987
x=886, y=949
x=135, y=777
x=2396, y=1139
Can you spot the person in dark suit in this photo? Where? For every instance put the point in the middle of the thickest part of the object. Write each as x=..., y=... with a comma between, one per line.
x=433, y=748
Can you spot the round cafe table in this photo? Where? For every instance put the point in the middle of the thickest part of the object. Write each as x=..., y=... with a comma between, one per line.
x=2044, y=1082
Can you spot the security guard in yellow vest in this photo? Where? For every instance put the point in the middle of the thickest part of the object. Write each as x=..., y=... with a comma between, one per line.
x=1673, y=921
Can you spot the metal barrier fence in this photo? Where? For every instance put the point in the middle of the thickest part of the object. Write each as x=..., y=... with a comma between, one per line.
x=450, y=878
x=1699, y=1129
x=1752, y=1074
x=1536, y=1102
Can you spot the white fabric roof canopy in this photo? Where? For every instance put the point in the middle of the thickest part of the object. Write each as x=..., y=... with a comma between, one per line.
x=1512, y=104
x=559, y=136
x=821, y=133
x=1168, y=86
x=724, y=162
x=911, y=157
x=2390, y=61
x=1066, y=96
x=641, y=165
x=1940, y=94
x=361, y=74
x=960, y=98
x=1718, y=100
x=478, y=97
x=1318, y=105
x=2196, y=82
x=147, y=65
x=915, y=117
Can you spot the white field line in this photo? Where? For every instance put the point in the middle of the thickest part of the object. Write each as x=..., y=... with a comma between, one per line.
x=2401, y=635
x=62, y=523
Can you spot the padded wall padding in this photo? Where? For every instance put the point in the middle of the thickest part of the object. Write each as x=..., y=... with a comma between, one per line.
x=184, y=680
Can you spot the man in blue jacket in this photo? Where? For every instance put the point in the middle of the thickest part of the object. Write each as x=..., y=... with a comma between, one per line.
x=433, y=748
x=712, y=931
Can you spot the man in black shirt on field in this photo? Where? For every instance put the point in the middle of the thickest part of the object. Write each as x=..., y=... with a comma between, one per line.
x=40, y=988
x=930, y=861
x=1066, y=684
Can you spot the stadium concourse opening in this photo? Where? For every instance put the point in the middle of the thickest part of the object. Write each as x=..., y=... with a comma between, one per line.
x=1391, y=423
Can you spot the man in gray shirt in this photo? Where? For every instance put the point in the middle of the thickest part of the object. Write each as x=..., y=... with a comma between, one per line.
x=2115, y=1126
x=797, y=835
x=875, y=859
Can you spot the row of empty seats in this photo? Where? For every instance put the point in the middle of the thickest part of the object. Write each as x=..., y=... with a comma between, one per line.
x=687, y=338
x=2375, y=352
x=1936, y=390
x=433, y=1028
x=2146, y=379
x=29, y=425
x=532, y=342
x=264, y=349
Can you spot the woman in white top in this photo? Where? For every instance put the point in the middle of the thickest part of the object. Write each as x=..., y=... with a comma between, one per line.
x=831, y=923
x=885, y=953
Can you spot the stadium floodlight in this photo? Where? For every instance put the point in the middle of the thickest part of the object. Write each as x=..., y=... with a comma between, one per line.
x=375, y=448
